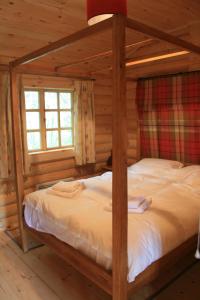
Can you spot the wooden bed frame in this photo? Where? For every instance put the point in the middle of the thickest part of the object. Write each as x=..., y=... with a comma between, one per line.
x=114, y=283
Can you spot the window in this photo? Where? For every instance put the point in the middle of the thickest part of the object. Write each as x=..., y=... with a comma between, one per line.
x=49, y=119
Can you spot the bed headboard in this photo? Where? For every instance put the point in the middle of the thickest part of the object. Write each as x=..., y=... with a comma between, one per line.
x=169, y=117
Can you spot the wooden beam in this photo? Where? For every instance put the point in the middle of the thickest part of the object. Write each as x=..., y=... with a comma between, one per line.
x=4, y=67
x=40, y=72
x=76, y=259
x=161, y=35
x=119, y=148
x=18, y=159
x=109, y=52
x=131, y=62
x=62, y=43
x=99, y=55
x=164, y=266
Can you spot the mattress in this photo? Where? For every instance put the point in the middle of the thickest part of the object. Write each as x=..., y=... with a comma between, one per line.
x=83, y=222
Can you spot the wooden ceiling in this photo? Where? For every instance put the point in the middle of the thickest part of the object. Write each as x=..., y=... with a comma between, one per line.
x=27, y=25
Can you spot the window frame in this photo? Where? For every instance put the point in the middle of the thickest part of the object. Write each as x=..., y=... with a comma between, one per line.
x=42, y=119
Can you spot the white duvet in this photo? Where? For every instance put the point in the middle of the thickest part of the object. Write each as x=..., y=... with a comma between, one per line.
x=83, y=222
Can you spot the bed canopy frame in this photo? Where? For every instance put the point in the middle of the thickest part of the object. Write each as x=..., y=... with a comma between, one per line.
x=115, y=282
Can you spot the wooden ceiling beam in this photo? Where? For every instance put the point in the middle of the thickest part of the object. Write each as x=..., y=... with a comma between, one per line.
x=143, y=60
x=62, y=43
x=132, y=24
x=40, y=72
x=161, y=35
x=99, y=55
x=109, y=52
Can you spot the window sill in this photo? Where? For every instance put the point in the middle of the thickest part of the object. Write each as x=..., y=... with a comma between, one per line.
x=51, y=155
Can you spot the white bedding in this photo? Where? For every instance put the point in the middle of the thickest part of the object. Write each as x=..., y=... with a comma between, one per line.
x=83, y=223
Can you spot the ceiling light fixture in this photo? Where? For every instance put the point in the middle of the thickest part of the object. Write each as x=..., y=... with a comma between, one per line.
x=154, y=58
x=99, y=10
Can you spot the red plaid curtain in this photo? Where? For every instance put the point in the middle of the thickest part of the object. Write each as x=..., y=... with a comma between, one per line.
x=169, y=115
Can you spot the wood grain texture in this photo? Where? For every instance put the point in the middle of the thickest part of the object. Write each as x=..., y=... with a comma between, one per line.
x=143, y=28
x=17, y=149
x=55, y=19
x=119, y=148
x=79, y=261
x=161, y=270
x=164, y=264
x=42, y=274
x=62, y=43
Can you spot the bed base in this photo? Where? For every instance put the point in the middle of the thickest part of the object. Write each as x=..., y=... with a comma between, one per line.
x=98, y=275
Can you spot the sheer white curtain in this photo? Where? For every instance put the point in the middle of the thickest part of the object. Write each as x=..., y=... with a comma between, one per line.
x=6, y=141
x=84, y=123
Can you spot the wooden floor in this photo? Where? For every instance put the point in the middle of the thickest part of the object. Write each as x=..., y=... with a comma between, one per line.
x=41, y=275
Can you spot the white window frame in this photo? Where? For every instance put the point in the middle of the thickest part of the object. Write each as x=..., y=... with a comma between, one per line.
x=43, y=130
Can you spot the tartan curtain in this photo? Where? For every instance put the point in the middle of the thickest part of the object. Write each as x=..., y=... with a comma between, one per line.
x=169, y=117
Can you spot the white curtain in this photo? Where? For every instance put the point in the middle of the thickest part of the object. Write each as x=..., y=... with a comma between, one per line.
x=6, y=151
x=84, y=123
x=6, y=140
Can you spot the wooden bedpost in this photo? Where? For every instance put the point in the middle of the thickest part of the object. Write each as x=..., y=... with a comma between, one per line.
x=119, y=148
x=17, y=149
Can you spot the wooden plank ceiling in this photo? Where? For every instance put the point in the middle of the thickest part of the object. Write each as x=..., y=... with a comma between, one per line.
x=27, y=25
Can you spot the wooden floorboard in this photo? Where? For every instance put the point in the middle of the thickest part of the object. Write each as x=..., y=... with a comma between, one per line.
x=41, y=275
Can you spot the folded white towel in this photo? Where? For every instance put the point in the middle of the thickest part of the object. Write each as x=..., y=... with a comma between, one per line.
x=66, y=194
x=135, y=202
x=139, y=210
x=67, y=187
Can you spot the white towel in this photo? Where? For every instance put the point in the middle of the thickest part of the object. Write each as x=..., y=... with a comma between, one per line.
x=139, y=210
x=135, y=202
x=66, y=194
x=67, y=187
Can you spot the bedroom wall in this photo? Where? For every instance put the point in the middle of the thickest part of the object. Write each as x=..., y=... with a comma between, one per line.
x=103, y=106
x=54, y=167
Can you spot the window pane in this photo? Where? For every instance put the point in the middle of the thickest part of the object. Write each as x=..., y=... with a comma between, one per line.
x=50, y=100
x=34, y=142
x=31, y=100
x=52, y=139
x=32, y=120
x=66, y=138
x=65, y=119
x=51, y=119
x=65, y=100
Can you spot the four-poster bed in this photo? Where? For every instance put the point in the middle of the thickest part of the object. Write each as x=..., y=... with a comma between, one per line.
x=114, y=283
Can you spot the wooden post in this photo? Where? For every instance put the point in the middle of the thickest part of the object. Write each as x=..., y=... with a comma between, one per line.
x=18, y=160
x=119, y=148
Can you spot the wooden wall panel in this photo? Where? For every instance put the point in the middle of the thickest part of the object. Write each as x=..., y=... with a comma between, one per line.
x=61, y=166
x=103, y=106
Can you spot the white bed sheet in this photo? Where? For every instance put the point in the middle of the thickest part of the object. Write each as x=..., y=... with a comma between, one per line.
x=83, y=223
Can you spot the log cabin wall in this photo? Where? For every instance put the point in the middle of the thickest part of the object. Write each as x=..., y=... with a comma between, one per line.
x=103, y=107
x=58, y=166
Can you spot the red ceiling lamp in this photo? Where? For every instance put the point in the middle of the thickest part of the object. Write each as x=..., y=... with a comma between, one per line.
x=99, y=10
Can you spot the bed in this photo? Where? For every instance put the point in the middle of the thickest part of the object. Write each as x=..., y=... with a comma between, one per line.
x=84, y=223
x=114, y=283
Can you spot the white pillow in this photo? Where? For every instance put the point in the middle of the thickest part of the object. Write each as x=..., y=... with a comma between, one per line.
x=156, y=167
x=158, y=162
